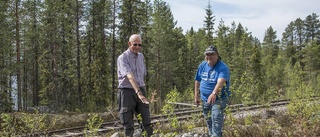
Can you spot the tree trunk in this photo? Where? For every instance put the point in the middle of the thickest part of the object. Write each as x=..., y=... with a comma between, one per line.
x=113, y=62
x=18, y=56
x=78, y=55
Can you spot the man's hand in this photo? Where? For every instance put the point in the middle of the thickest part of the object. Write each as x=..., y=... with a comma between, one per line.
x=143, y=98
x=212, y=99
x=196, y=101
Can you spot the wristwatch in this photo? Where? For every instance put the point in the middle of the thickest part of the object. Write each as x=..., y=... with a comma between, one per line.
x=215, y=93
x=138, y=91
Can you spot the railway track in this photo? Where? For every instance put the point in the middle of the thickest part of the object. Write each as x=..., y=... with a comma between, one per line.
x=185, y=111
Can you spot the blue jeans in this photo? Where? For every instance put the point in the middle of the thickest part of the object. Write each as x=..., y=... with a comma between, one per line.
x=214, y=116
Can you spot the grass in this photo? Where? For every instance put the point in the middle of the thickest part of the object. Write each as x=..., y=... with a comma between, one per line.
x=282, y=124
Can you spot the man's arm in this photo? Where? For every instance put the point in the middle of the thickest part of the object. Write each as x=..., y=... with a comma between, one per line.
x=136, y=88
x=196, y=92
x=217, y=89
x=219, y=86
x=133, y=82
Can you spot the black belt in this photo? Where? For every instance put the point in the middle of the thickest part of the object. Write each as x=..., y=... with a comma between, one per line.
x=127, y=88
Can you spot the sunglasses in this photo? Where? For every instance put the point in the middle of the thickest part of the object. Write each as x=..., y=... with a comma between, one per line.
x=137, y=45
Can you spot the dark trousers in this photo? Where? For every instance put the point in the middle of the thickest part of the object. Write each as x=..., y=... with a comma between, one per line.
x=130, y=104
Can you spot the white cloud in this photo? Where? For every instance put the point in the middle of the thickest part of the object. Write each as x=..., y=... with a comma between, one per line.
x=187, y=14
x=256, y=15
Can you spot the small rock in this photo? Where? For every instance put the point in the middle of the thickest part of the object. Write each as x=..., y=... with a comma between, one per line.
x=267, y=113
x=115, y=135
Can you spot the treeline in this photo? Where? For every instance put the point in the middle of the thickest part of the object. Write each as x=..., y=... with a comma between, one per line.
x=62, y=54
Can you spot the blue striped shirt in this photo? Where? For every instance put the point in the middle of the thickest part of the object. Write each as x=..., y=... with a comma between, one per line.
x=129, y=62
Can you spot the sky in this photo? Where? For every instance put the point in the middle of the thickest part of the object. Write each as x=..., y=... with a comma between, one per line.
x=255, y=15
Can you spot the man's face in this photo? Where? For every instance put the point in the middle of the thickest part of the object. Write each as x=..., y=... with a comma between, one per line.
x=135, y=46
x=212, y=58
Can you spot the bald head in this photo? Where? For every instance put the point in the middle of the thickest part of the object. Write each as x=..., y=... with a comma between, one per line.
x=134, y=37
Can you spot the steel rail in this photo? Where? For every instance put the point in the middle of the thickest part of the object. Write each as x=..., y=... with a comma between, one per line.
x=180, y=114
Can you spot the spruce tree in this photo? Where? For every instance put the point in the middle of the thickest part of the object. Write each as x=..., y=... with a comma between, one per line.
x=209, y=24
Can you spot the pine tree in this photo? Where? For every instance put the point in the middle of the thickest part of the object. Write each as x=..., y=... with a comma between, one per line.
x=181, y=65
x=146, y=36
x=163, y=48
x=18, y=52
x=288, y=43
x=31, y=34
x=130, y=20
x=96, y=61
x=57, y=66
x=256, y=68
x=270, y=50
x=237, y=65
x=7, y=77
x=312, y=60
x=78, y=16
x=270, y=43
x=209, y=24
x=312, y=26
x=223, y=42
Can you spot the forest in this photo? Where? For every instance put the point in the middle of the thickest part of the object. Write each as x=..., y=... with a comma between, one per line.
x=62, y=54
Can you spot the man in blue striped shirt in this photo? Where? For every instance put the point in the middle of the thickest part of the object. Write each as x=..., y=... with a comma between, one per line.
x=131, y=89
